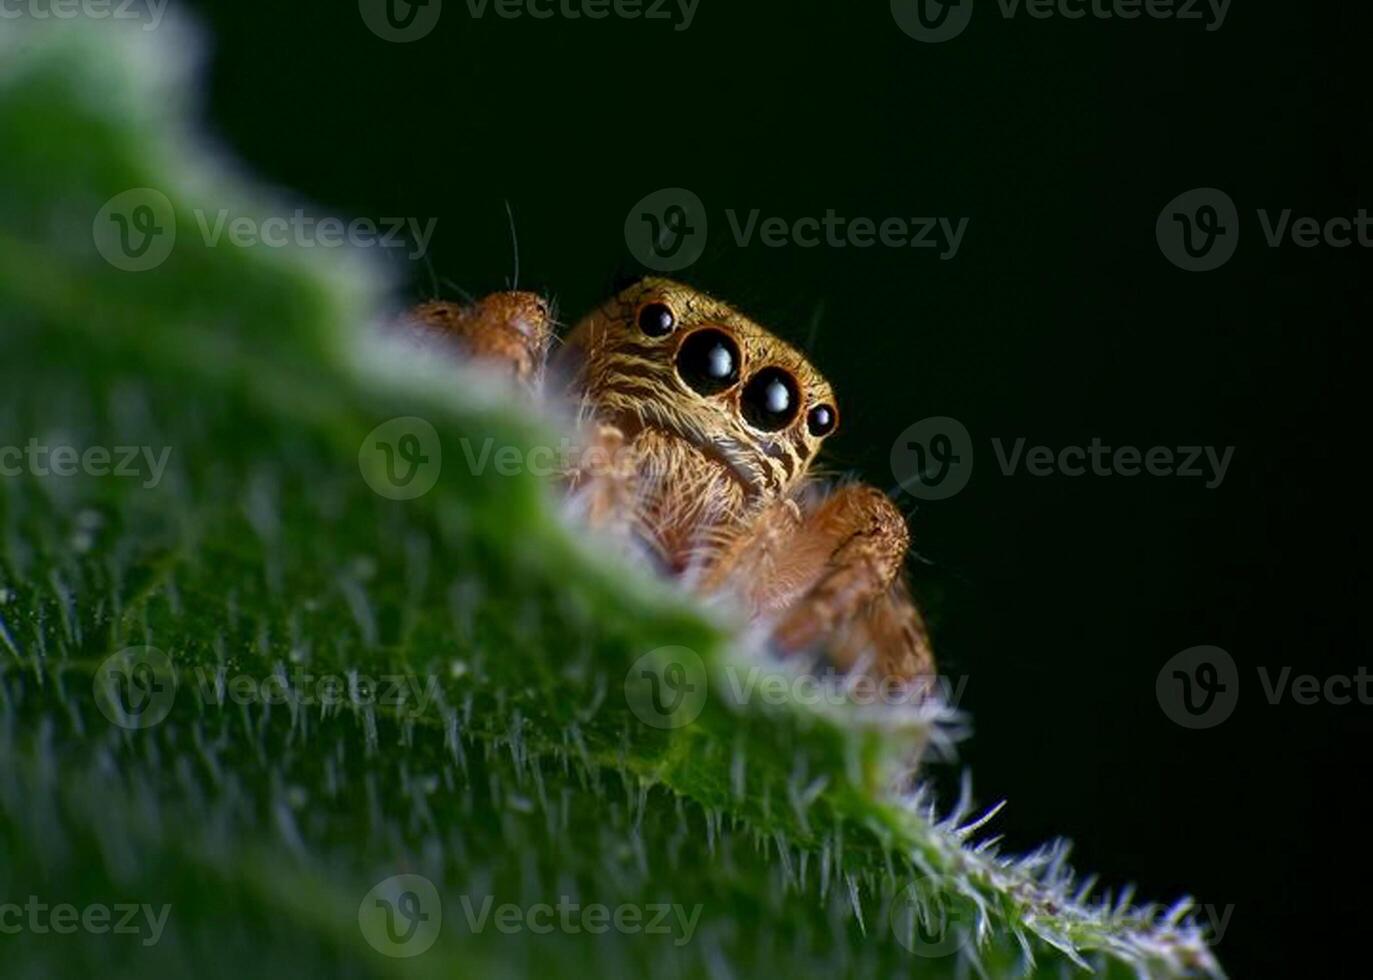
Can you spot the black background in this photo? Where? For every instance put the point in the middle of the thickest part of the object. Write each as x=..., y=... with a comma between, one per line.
x=1059, y=320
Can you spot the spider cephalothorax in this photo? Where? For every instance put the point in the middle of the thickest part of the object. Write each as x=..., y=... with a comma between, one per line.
x=663, y=356
x=724, y=417
x=713, y=423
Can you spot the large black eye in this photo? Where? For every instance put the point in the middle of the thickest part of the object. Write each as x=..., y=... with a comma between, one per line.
x=708, y=361
x=820, y=420
x=771, y=400
x=656, y=320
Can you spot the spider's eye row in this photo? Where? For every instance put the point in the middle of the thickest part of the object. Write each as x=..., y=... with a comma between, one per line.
x=708, y=361
x=771, y=399
x=820, y=420
x=656, y=320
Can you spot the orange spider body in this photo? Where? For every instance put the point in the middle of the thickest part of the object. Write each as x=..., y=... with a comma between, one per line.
x=704, y=426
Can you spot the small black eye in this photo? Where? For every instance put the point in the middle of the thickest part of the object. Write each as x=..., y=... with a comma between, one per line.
x=820, y=420
x=708, y=361
x=771, y=400
x=656, y=320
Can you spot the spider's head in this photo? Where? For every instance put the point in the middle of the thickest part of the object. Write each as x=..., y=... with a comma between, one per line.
x=661, y=355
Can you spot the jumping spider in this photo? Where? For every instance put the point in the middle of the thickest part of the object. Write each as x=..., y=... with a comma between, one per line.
x=713, y=424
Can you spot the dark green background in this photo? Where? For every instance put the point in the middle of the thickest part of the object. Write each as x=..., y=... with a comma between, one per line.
x=1059, y=321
